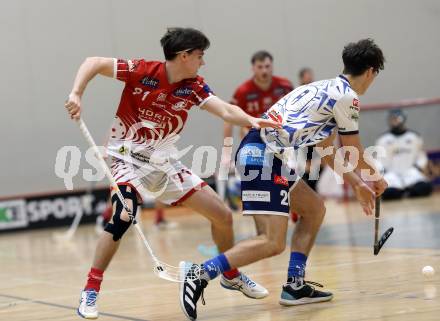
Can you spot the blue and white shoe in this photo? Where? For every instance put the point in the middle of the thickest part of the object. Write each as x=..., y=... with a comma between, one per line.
x=303, y=293
x=245, y=285
x=87, y=304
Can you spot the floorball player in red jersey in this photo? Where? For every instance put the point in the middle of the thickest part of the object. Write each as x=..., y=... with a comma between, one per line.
x=258, y=94
x=255, y=96
x=153, y=109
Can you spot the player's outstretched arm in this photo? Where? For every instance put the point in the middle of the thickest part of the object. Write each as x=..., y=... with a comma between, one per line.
x=362, y=191
x=227, y=130
x=354, y=140
x=235, y=115
x=86, y=72
x=346, y=114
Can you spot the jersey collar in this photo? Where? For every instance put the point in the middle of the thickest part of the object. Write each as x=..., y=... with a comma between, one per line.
x=345, y=79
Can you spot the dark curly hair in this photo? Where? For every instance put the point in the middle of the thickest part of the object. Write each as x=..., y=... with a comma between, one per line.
x=362, y=55
x=177, y=40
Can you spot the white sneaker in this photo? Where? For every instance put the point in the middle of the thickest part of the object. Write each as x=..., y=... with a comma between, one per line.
x=245, y=285
x=87, y=304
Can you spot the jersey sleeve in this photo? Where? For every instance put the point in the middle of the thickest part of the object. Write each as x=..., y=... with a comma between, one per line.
x=202, y=93
x=124, y=69
x=346, y=114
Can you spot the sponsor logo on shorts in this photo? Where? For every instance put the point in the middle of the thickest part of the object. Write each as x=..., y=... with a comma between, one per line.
x=281, y=180
x=255, y=196
x=140, y=157
x=252, y=154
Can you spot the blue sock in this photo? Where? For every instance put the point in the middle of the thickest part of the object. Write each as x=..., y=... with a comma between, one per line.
x=216, y=266
x=297, y=265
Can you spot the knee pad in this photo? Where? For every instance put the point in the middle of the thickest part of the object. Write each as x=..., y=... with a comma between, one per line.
x=119, y=226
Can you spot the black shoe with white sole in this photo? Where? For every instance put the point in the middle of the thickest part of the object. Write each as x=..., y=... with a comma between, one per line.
x=191, y=291
x=294, y=294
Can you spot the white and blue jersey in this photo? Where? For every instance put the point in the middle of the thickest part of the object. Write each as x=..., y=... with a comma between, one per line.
x=308, y=115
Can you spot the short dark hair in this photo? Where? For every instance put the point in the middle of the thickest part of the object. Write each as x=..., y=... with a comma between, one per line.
x=261, y=55
x=176, y=40
x=303, y=71
x=362, y=55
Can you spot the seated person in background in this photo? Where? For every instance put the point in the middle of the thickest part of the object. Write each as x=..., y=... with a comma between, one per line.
x=405, y=160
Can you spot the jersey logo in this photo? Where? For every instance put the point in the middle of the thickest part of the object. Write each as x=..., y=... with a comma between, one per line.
x=132, y=65
x=178, y=106
x=251, y=96
x=182, y=92
x=354, y=108
x=355, y=117
x=162, y=97
x=275, y=116
x=152, y=119
x=149, y=81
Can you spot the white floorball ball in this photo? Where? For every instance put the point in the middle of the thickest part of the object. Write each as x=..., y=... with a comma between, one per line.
x=428, y=271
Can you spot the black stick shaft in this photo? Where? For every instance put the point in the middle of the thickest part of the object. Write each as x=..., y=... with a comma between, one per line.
x=376, y=221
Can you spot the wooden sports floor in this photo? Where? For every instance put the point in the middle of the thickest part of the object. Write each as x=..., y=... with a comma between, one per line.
x=41, y=278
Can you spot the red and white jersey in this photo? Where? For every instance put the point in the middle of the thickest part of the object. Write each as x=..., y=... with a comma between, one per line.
x=151, y=111
x=255, y=101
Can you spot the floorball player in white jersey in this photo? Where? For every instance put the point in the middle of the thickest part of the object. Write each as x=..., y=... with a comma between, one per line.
x=311, y=114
